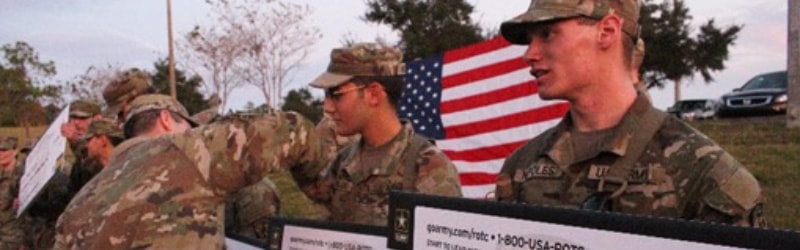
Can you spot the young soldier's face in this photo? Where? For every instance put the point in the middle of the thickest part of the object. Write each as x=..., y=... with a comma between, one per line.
x=347, y=108
x=81, y=124
x=7, y=157
x=558, y=55
x=95, y=146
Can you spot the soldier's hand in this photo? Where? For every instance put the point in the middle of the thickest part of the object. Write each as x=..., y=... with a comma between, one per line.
x=69, y=131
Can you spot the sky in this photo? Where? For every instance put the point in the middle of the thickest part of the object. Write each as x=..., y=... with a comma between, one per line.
x=78, y=34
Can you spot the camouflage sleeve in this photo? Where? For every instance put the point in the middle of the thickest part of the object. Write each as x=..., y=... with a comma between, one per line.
x=242, y=150
x=505, y=189
x=309, y=174
x=310, y=179
x=437, y=174
x=317, y=186
x=248, y=211
x=733, y=195
x=7, y=194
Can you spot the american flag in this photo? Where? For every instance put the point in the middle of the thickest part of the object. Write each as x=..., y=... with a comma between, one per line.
x=479, y=103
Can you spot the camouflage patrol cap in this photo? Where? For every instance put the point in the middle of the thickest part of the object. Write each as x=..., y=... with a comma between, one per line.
x=158, y=102
x=361, y=59
x=516, y=29
x=8, y=142
x=125, y=88
x=103, y=126
x=83, y=108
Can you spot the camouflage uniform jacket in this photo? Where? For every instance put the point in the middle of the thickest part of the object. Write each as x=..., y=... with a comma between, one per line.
x=169, y=192
x=355, y=187
x=680, y=173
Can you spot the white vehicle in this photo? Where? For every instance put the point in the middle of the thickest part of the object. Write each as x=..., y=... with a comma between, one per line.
x=695, y=109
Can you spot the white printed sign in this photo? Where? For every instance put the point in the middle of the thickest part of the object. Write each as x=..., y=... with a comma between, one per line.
x=450, y=230
x=42, y=161
x=233, y=244
x=295, y=237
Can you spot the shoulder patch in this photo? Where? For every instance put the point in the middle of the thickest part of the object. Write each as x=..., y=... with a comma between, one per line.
x=739, y=192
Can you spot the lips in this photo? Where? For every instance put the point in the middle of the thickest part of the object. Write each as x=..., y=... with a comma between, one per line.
x=538, y=73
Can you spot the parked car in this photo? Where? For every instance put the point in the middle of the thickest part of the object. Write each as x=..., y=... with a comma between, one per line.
x=695, y=109
x=764, y=94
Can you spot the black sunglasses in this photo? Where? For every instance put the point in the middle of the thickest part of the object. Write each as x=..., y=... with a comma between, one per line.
x=336, y=93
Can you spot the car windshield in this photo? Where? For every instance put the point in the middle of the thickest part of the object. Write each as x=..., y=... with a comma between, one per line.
x=767, y=81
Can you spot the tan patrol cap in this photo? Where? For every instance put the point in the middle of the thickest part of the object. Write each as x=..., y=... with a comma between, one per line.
x=158, y=102
x=83, y=108
x=103, y=126
x=361, y=59
x=516, y=29
x=125, y=88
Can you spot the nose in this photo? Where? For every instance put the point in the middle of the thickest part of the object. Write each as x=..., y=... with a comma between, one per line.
x=534, y=51
x=328, y=105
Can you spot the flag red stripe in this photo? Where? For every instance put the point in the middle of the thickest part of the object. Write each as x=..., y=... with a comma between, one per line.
x=486, y=153
x=469, y=179
x=488, y=98
x=510, y=121
x=475, y=49
x=482, y=73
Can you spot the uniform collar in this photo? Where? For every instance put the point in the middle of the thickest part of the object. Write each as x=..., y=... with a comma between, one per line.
x=560, y=146
x=356, y=165
x=125, y=145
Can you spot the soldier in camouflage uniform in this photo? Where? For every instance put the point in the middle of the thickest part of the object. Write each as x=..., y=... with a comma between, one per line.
x=43, y=212
x=101, y=138
x=247, y=211
x=169, y=191
x=12, y=235
x=81, y=113
x=614, y=151
x=362, y=85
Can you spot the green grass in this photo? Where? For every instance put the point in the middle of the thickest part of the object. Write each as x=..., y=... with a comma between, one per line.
x=772, y=153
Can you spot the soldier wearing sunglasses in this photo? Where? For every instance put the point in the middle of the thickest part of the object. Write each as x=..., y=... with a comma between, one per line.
x=362, y=86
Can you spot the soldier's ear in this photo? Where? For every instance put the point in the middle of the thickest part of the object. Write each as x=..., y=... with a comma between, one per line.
x=610, y=30
x=376, y=92
x=165, y=120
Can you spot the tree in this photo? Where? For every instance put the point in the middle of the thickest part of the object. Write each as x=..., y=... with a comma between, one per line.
x=24, y=94
x=671, y=54
x=278, y=39
x=214, y=52
x=420, y=21
x=253, y=42
x=91, y=83
x=187, y=89
x=301, y=101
